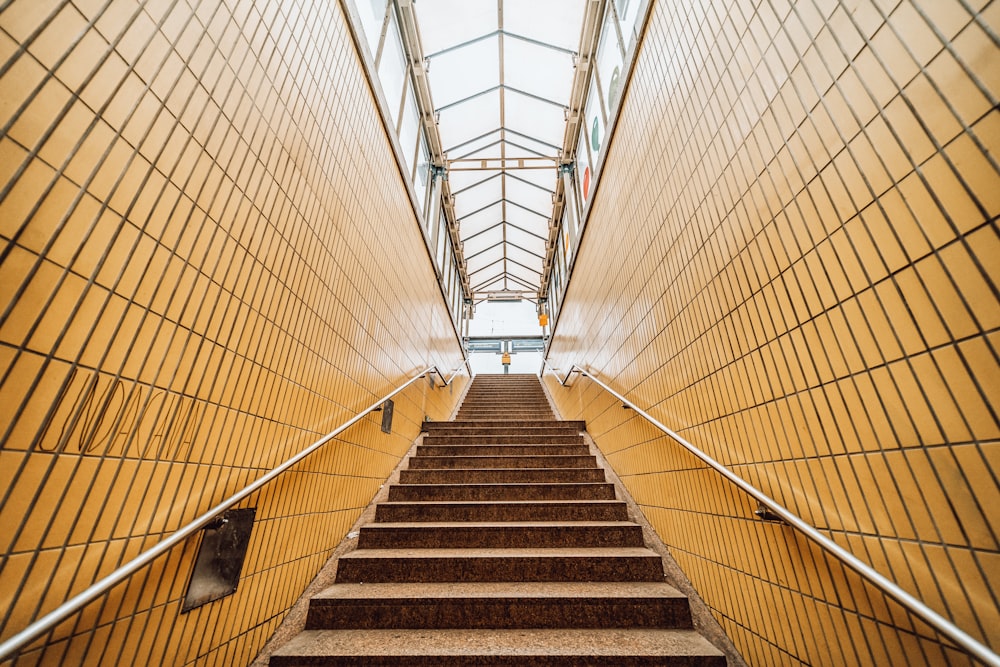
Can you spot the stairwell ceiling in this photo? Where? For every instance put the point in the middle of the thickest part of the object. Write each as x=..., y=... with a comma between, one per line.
x=500, y=74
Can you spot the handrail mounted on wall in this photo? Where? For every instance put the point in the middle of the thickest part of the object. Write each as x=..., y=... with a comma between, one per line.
x=46, y=623
x=915, y=606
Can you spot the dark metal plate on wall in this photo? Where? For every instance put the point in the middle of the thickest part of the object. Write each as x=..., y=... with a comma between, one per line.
x=220, y=558
x=387, y=416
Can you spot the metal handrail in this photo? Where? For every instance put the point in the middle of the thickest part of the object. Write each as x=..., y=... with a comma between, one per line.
x=915, y=606
x=46, y=623
x=434, y=369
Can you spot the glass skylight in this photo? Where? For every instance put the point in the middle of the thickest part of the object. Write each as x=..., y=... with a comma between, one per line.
x=500, y=75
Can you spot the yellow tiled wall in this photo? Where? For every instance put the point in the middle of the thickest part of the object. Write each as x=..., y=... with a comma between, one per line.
x=209, y=259
x=792, y=259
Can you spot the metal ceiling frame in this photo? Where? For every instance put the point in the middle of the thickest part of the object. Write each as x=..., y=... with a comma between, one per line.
x=500, y=129
x=503, y=140
x=586, y=61
x=499, y=87
x=414, y=52
x=506, y=33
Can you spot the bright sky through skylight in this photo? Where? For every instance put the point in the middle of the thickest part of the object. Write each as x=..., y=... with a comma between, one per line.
x=500, y=74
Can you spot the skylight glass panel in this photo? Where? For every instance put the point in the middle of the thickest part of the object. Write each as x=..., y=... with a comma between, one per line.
x=474, y=179
x=528, y=195
x=524, y=259
x=492, y=236
x=460, y=180
x=610, y=63
x=534, y=118
x=372, y=13
x=551, y=21
x=422, y=175
x=542, y=147
x=584, y=172
x=525, y=277
x=538, y=70
x=486, y=259
x=501, y=77
x=515, y=150
x=481, y=243
x=545, y=178
x=628, y=13
x=526, y=241
x=593, y=130
x=392, y=68
x=476, y=143
x=469, y=120
x=446, y=23
x=477, y=222
x=497, y=283
x=478, y=197
x=468, y=70
x=492, y=151
x=529, y=218
x=408, y=126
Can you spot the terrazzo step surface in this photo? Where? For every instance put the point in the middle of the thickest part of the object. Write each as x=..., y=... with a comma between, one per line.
x=502, y=543
x=545, y=647
x=527, y=461
x=420, y=565
x=485, y=425
x=521, y=510
x=499, y=534
x=499, y=605
x=503, y=450
x=501, y=475
x=502, y=439
x=430, y=492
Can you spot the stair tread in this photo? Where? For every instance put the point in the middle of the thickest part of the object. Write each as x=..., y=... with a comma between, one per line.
x=452, y=572
x=504, y=470
x=478, y=423
x=481, y=485
x=520, y=642
x=501, y=590
x=529, y=457
x=527, y=552
x=506, y=525
x=499, y=502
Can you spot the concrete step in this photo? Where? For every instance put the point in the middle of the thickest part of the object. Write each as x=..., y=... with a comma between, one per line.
x=506, y=403
x=460, y=648
x=430, y=492
x=500, y=415
x=424, y=565
x=502, y=412
x=506, y=400
x=499, y=605
x=505, y=439
x=502, y=475
x=512, y=430
x=524, y=510
x=500, y=535
x=520, y=396
x=575, y=426
x=501, y=544
x=508, y=407
x=423, y=462
x=502, y=450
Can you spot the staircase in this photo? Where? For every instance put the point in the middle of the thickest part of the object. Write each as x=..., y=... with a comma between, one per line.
x=502, y=544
